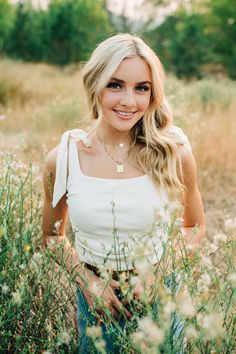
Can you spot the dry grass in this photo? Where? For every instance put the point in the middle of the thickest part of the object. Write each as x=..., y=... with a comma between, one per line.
x=38, y=102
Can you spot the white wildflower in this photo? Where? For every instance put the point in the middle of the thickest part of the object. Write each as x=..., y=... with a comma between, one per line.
x=186, y=306
x=94, y=331
x=231, y=279
x=230, y=21
x=212, y=248
x=206, y=261
x=16, y=297
x=64, y=337
x=5, y=288
x=100, y=345
x=230, y=225
x=57, y=225
x=219, y=239
x=204, y=282
x=151, y=331
x=191, y=332
x=169, y=308
x=96, y=289
x=211, y=324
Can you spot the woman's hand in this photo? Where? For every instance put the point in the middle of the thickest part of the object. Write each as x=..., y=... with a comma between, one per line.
x=144, y=287
x=101, y=297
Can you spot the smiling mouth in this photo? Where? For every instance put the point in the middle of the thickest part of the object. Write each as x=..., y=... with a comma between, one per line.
x=124, y=113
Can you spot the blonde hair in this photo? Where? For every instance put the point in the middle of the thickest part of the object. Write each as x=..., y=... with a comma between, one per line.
x=158, y=154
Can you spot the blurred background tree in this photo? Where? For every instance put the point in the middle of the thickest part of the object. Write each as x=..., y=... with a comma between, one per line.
x=192, y=37
x=6, y=21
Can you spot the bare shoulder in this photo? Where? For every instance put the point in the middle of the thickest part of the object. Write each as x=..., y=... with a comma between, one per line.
x=49, y=171
x=50, y=161
x=189, y=169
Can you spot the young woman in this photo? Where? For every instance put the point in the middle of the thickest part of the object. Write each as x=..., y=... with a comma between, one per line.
x=115, y=178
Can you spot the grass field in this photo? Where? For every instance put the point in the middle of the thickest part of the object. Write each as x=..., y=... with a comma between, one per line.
x=37, y=104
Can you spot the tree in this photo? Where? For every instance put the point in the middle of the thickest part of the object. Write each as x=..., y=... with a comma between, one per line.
x=222, y=33
x=6, y=22
x=74, y=28
x=27, y=36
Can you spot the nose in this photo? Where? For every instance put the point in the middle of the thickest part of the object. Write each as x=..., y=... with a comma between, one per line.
x=128, y=99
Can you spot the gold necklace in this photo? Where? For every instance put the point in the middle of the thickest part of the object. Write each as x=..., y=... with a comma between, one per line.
x=119, y=164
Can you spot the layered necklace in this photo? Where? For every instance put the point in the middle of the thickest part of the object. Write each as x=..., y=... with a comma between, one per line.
x=119, y=164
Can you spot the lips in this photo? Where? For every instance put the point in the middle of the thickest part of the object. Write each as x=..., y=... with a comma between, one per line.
x=124, y=114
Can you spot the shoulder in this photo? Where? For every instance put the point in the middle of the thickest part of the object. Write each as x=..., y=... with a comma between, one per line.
x=188, y=163
x=51, y=160
x=178, y=136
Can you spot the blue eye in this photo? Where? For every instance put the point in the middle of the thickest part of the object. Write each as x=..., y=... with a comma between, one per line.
x=114, y=85
x=142, y=88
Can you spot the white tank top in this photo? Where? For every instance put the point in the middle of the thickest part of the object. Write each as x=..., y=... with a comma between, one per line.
x=114, y=220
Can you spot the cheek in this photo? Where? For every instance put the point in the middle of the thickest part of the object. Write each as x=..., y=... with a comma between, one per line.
x=108, y=99
x=144, y=102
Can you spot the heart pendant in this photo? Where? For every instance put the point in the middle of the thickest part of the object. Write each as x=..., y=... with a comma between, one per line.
x=121, y=145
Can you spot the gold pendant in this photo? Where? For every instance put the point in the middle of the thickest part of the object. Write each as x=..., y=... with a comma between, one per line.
x=120, y=168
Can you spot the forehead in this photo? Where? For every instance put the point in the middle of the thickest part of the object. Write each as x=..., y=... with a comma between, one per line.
x=133, y=69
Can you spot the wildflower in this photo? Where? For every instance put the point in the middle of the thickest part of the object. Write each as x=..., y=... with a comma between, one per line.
x=57, y=226
x=204, y=282
x=231, y=279
x=26, y=248
x=64, y=338
x=96, y=289
x=219, y=239
x=206, y=261
x=186, y=306
x=191, y=332
x=5, y=288
x=169, y=308
x=16, y=297
x=94, y=331
x=211, y=324
x=230, y=225
x=152, y=333
x=212, y=248
x=230, y=21
x=100, y=346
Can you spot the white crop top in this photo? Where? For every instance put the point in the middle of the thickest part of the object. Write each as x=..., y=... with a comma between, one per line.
x=113, y=219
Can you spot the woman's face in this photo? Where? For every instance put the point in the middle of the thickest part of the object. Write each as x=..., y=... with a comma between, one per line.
x=126, y=97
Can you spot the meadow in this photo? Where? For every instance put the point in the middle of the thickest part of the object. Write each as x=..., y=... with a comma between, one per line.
x=37, y=308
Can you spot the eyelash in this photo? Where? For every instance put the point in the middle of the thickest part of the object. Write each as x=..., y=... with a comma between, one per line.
x=116, y=85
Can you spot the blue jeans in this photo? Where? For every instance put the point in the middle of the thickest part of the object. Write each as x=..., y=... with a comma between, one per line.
x=112, y=334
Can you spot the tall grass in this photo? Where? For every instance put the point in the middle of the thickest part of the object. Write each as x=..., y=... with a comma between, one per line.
x=37, y=307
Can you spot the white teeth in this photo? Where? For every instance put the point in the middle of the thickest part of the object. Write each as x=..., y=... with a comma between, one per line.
x=124, y=113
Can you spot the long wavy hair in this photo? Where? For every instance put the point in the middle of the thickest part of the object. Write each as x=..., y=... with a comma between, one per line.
x=158, y=155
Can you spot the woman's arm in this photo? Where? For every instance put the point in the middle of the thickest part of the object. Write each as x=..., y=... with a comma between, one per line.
x=54, y=219
x=194, y=217
x=53, y=225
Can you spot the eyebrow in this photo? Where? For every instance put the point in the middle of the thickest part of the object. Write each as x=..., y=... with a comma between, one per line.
x=137, y=83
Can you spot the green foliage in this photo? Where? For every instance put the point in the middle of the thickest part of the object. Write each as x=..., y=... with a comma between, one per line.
x=27, y=37
x=6, y=21
x=182, y=44
x=66, y=32
x=205, y=35
x=222, y=33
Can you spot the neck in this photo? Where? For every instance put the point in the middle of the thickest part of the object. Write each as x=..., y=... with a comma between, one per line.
x=113, y=138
